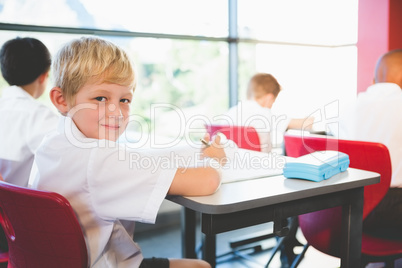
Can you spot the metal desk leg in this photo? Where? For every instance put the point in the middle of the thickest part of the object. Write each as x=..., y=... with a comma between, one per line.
x=352, y=217
x=209, y=251
x=188, y=226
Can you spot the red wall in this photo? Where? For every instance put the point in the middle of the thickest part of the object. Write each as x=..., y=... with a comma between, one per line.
x=379, y=30
x=395, y=24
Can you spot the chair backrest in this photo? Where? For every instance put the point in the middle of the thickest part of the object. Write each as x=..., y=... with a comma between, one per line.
x=41, y=229
x=3, y=246
x=244, y=137
x=322, y=228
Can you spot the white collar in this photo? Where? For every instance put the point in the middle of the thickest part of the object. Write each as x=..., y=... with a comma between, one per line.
x=16, y=92
x=69, y=129
x=383, y=89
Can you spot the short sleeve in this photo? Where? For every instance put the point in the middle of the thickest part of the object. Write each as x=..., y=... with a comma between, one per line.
x=127, y=185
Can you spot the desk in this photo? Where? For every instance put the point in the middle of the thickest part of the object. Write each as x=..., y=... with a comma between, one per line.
x=245, y=203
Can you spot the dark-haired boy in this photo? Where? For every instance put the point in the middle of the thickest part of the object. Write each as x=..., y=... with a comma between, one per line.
x=25, y=64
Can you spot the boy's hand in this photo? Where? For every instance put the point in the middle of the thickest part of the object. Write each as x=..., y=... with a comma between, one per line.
x=308, y=122
x=301, y=123
x=214, y=149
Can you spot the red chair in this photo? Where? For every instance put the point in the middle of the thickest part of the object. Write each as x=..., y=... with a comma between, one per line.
x=244, y=137
x=41, y=229
x=3, y=252
x=322, y=228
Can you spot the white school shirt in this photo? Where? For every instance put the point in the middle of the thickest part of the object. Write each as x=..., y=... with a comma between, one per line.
x=376, y=116
x=107, y=188
x=250, y=113
x=23, y=123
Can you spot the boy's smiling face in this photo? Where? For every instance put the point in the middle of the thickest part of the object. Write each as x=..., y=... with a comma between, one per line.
x=101, y=111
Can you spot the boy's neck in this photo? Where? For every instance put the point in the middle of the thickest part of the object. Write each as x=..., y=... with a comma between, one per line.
x=266, y=101
x=31, y=89
x=36, y=88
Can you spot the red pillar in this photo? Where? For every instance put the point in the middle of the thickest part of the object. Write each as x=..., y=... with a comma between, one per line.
x=395, y=24
x=379, y=30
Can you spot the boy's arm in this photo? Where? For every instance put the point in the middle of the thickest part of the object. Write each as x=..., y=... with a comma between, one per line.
x=195, y=181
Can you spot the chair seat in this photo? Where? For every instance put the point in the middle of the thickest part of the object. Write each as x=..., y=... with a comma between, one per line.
x=375, y=246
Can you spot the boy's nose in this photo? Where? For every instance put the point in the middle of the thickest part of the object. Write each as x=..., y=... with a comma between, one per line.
x=114, y=110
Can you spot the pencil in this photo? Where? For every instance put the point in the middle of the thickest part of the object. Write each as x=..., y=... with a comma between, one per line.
x=205, y=142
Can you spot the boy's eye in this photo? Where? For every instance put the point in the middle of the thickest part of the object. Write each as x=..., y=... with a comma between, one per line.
x=125, y=101
x=100, y=98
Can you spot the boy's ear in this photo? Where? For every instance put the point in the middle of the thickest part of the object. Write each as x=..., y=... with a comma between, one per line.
x=58, y=100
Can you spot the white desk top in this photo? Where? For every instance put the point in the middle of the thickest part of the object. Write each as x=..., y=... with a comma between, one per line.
x=242, y=195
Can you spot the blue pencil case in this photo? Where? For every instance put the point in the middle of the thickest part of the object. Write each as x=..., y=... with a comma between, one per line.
x=317, y=166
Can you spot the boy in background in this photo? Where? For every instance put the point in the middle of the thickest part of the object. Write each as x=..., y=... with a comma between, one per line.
x=94, y=84
x=25, y=64
x=376, y=116
x=262, y=91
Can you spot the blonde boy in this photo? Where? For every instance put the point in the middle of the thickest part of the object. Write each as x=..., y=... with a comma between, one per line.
x=94, y=84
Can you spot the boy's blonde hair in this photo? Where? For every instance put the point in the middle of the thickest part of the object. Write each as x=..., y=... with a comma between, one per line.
x=261, y=84
x=90, y=59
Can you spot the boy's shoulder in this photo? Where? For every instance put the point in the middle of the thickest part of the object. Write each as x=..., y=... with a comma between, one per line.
x=24, y=105
x=14, y=92
x=16, y=98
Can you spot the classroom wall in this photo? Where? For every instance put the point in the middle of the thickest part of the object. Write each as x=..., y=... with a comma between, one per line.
x=395, y=24
x=379, y=24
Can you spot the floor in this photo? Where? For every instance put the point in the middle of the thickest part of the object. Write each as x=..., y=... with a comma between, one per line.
x=166, y=242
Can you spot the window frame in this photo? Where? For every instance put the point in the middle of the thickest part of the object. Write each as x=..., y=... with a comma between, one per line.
x=232, y=39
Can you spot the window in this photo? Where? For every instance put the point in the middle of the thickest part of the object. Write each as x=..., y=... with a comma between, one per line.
x=310, y=22
x=206, y=18
x=183, y=52
x=309, y=46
